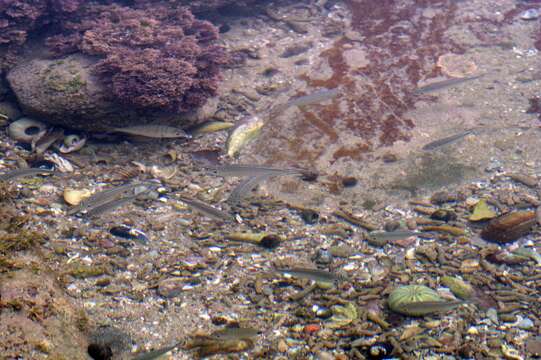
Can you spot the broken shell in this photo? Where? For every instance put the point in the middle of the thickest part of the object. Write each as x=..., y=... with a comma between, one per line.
x=164, y=173
x=509, y=227
x=62, y=164
x=401, y=297
x=74, y=197
x=482, y=211
x=26, y=130
x=455, y=65
x=510, y=353
x=458, y=287
x=72, y=143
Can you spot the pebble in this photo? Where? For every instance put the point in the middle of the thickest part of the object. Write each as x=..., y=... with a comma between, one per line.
x=170, y=288
x=530, y=14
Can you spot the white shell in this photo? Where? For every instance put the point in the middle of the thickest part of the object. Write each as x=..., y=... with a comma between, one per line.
x=18, y=130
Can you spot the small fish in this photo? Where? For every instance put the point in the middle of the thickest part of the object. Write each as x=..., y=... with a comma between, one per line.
x=104, y=197
x=245, y=187
x=153, y=131
x=39, y=145
x=252, y=170
x=232, y=333
x=209, y=127
x=247, y=130
x=447, y=140
x=108, y=206
x=206, y=209
x=444, y=84
x=154, y=354
x=313, y=98
x=529, y=253
x=429, y=307
x=18, y=173
x=312, y=274
x=391, y=235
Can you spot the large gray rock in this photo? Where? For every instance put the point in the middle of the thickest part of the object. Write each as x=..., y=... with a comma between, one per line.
x=65, y=92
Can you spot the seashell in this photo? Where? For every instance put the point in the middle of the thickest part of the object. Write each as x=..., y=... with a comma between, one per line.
x=127, y=232
x=443, y=215
x=62, y=164
x=164, y=173
x=482, y=211
x=74, y=197
x=530, y=14
x=458, y=287
x=401, y=297
x=509, y=227
x=26, y=130
x=72, y=143
x=455, y=65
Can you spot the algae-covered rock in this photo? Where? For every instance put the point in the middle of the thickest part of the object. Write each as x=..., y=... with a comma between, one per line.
x=66, y=92
x=37, y=320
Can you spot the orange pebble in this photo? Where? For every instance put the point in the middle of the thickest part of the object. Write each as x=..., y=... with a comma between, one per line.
x=312, y=328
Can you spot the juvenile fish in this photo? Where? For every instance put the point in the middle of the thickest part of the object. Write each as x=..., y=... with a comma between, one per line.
x=313, y=98
x=444, y=84
x=153, y=131
x=211, y=126
x=252, y=170
x=428, y=307
x=232, y=333
x=103, y=197
x=154, y=354
x=246, y=187
x=529, y=253
x=109, y=206
x=247, y=130
x=206, y=209
x=312, y=274
x=386, y=236
x=447, y=140
x=18, y=173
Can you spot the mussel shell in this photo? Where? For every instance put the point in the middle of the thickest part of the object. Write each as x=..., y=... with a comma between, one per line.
x=509, y=227
x=43, y=164
x=127, y=232
x=26, y=130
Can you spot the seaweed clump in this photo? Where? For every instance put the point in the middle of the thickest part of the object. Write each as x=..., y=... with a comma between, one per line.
x=152, y=56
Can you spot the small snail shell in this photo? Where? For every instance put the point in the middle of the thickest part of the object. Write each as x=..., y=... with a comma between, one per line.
x=26, y=129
